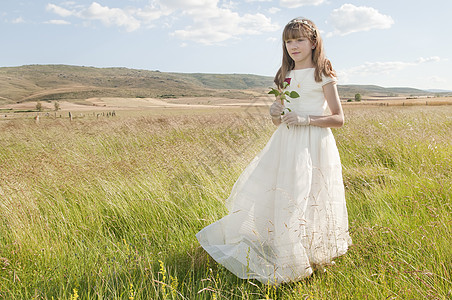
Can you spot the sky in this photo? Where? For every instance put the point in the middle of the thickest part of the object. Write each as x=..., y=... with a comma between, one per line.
x=390, y=43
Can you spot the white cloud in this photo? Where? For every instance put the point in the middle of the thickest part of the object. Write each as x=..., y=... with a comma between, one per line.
x=272, y=39
x=110, y=16
x=58, y=10
x=224, y=24
x=381, y=67
x=375, y=68
x=204, y=35
x=349, y=18
x=229, y=5
x=189, y=4
x=437, y=79
x=298, y=3
x=149, y=14
x=18, y=20
x=428, y=59
x=57, y=22
x=213, y=24
x=212, y=21
x=274, y=10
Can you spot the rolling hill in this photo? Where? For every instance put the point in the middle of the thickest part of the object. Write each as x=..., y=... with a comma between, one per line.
x=64, y=82
x=56, y=82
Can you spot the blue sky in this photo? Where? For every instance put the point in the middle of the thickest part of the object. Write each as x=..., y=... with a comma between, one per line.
x=388, y=43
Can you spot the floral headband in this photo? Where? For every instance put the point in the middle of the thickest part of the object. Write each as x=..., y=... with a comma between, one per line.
x=304, y=22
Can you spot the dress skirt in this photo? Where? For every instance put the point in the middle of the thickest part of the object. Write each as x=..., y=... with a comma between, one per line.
x=287, y=210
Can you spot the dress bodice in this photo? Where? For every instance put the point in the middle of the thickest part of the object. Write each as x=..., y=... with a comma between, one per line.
x=312, y=100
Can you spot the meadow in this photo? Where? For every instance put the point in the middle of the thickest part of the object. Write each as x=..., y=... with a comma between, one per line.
x=108, y=208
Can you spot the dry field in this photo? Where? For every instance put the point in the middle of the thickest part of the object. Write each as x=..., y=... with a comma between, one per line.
x=108, y=208
x=156, y=105
x=403, y=101
x=133, y=104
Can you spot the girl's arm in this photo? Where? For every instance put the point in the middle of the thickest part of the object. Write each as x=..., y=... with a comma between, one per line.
x=336, y=119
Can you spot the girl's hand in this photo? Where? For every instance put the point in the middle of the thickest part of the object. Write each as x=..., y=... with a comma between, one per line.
x=276, y=109
x=293, y=118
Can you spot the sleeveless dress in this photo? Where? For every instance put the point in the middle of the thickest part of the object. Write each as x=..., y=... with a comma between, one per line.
x=287, y=210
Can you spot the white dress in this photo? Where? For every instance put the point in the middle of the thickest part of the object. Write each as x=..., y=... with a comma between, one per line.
x=287, y=209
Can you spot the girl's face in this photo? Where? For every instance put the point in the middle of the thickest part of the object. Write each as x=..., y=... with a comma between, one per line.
x=300, y=50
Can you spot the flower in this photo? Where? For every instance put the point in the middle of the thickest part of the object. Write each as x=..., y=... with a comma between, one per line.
x=282, y=93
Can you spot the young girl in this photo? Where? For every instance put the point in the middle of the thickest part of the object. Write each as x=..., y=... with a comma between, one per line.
x=287, y=213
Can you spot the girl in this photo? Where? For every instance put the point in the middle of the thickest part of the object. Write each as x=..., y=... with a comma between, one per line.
x=287, y=213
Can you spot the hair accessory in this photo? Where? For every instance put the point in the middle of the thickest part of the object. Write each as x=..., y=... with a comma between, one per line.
x=304, y=22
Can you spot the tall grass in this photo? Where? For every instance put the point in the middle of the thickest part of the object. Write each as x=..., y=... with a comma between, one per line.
x=108, y=209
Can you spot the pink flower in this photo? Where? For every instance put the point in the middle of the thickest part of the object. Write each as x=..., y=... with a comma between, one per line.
x=287, y=80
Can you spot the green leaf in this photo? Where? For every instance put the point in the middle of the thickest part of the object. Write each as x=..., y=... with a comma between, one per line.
x=294, y=94
x=274, y=92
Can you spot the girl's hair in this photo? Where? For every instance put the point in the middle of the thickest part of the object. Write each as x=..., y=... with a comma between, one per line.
x=295, y=29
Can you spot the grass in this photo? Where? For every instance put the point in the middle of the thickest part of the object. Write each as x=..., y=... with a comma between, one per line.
x=108, y=208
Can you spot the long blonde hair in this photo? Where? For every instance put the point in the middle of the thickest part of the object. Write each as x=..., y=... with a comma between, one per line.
x=295, y=29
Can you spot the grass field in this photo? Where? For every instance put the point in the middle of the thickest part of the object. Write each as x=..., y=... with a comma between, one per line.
x=108, y=208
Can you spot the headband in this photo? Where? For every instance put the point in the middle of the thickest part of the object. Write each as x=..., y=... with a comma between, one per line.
x=304, y=22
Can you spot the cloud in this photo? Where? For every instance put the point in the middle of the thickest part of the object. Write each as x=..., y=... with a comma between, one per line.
x=272, y=39
x=224, y=25
x=57, y=22
x=375, y=68
x=380, y=67
x=59, y=10
x=211, y=22
x=349, y=18
x=298, y=3
x=428, y=59
x=274, y=10
x=18, y=20
x=437, y=79
x=96, y=12
x=189, y=4
x=110, y=16
x=229, y=4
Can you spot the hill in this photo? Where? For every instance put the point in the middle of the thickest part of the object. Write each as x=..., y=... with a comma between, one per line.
x=57, y=82
x=378, y=91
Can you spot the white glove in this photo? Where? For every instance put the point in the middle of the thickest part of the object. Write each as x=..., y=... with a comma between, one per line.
x=292, y=118
x=276, y=109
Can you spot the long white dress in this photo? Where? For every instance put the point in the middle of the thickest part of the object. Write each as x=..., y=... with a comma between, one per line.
x=287, y=210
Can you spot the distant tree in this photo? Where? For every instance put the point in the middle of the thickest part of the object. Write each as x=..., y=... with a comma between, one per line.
x=358, y=97
x=56, y=106
x=38, y=106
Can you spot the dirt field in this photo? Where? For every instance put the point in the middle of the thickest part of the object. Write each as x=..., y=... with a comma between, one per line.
x=96, y=106
x=403, y=101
